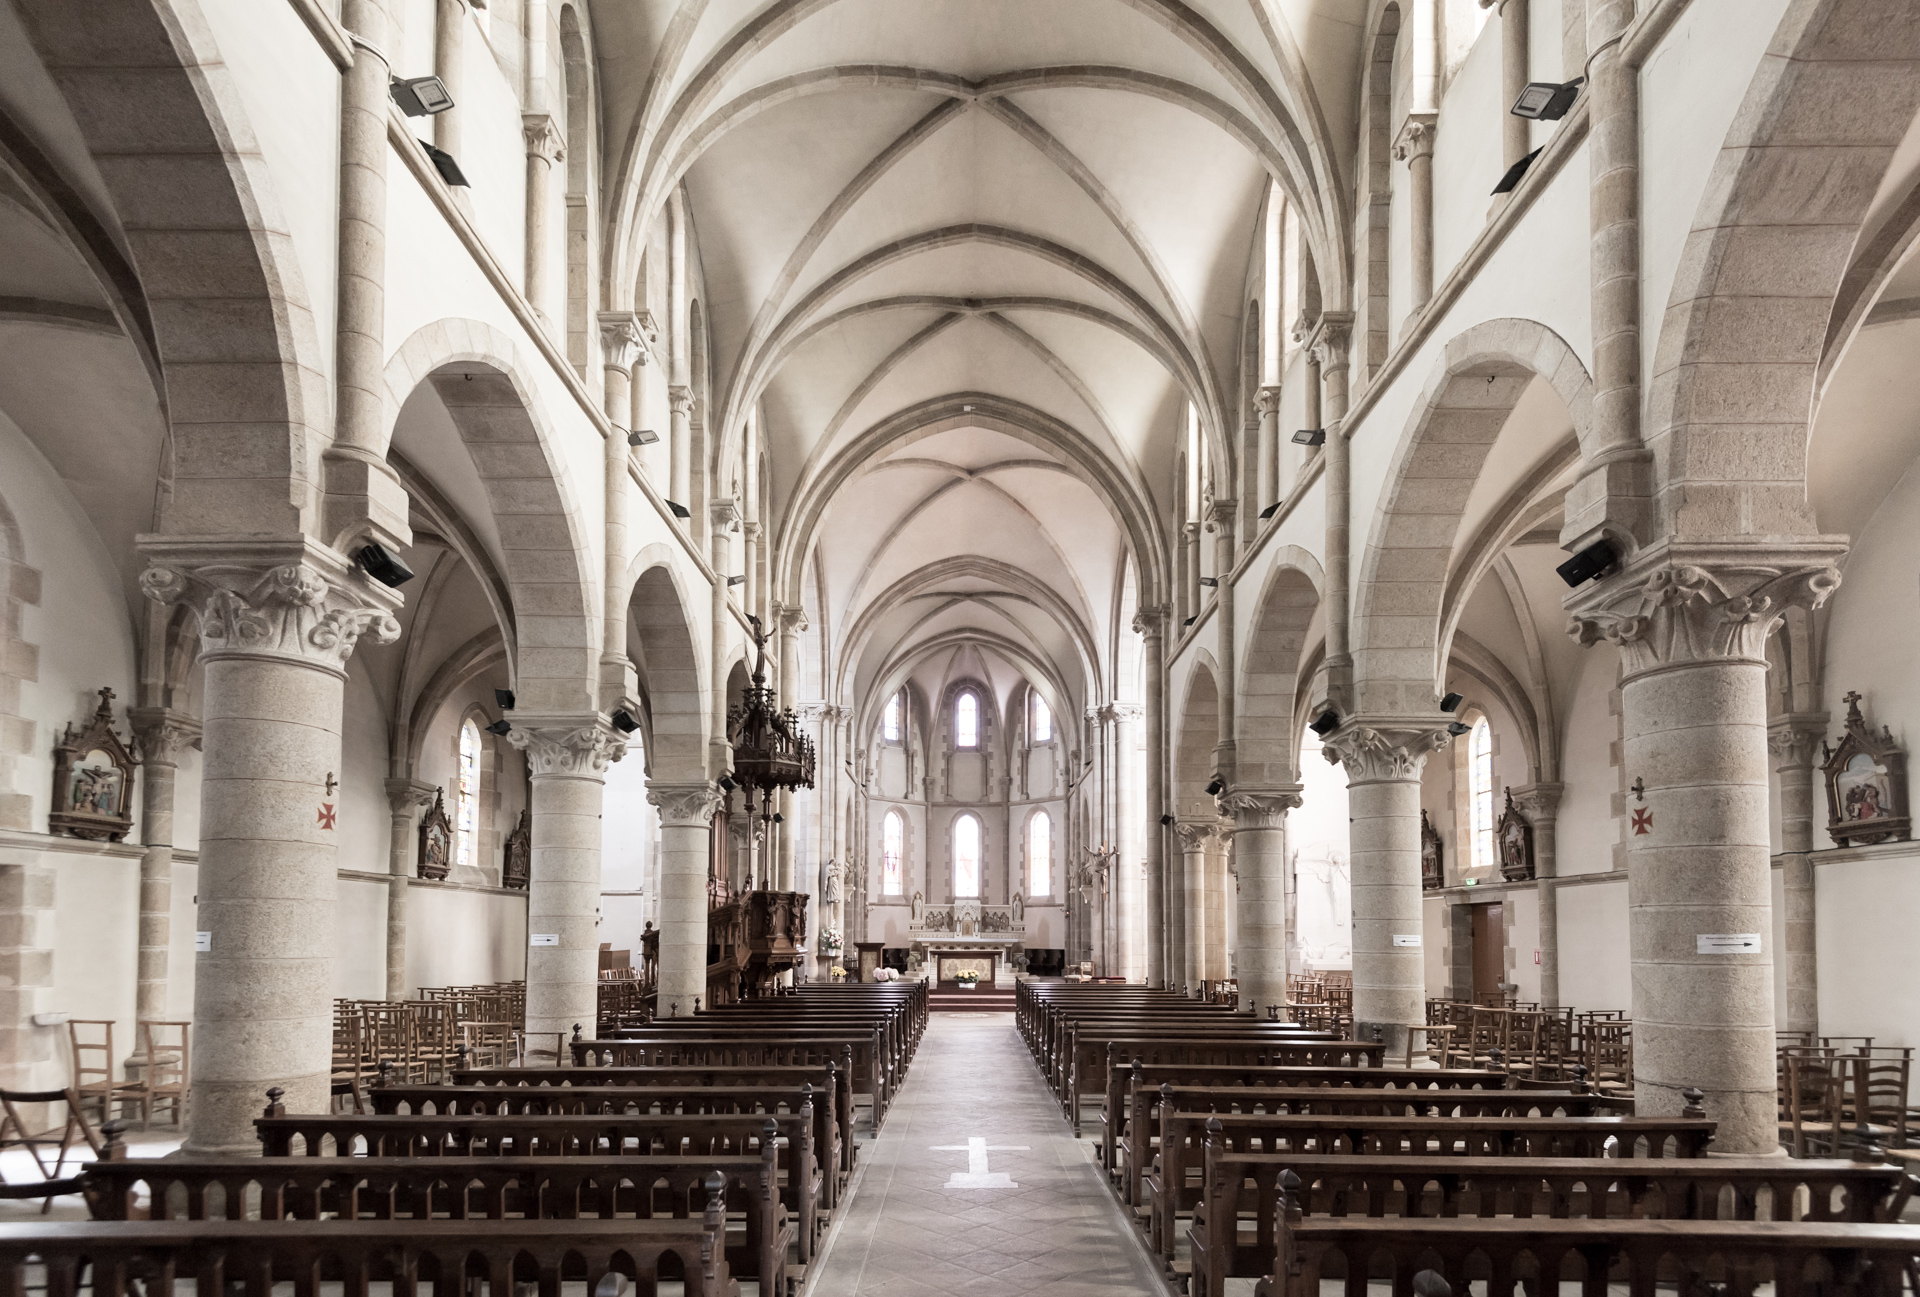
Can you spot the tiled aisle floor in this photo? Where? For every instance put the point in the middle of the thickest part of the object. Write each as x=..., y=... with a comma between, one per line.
x=1058, y=1231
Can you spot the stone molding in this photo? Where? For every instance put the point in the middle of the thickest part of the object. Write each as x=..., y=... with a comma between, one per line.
x=1194, y=834
x=1266, y=401
x=1385, y=749
x=685, y=805
x=1416, y=137
x=542, y=136
x=622, y=340
x=1688, y=604
x=1260, y=808
x=405, y=796
x=162, y=734
x=289, y=599
x=1793, y=738
x=568, y=748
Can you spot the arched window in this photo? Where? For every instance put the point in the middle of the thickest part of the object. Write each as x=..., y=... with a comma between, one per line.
x=466, y=816
x=1040, y=855
x=966, y=721
x=966, y=856
x=893, y=832
x=1040, y=729
x=890, y=720
x=1480, y=775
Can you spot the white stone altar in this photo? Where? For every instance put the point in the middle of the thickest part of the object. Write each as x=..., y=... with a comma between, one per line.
x=995, y=933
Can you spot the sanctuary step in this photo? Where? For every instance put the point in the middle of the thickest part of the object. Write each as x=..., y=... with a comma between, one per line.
x=981, y=1000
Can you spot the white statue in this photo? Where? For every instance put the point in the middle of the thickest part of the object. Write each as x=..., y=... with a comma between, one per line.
x=919, y=909
x=1019, y=909
x=830, y=884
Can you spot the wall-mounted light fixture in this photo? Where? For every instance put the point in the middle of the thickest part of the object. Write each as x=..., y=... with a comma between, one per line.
x=1546, y=101
x=1588, y=563
x=503, y=698
x=679, y=510
x=501, y=728
x=420, y=96
x=383, y=565
x=624, y=721
x=641, y=436
x=1451, y=703
x=1325, y=723
x=1309, y=436
x=443, y=163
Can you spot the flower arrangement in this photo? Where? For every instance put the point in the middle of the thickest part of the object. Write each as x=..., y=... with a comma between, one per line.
x=830, y=941
x=886, y=974
x=967, y=977
x=839, y=973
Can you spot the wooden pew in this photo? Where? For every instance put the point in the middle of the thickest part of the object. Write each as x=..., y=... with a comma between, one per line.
x=1092, y=1057
x=862, y=1055
x=1246, y=1188
x=790, y=1014
x=116, y=1255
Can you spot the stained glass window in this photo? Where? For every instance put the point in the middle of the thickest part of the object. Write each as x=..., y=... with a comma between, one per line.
x=1042, y=720
x=466, y=820
x=1040, y=855
x=966, y=856
x=890, y=720
x=1480, y=772
x=966, y=722
x=892, y=840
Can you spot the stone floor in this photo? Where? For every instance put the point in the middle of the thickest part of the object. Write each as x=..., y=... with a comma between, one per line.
x=1041, y=1220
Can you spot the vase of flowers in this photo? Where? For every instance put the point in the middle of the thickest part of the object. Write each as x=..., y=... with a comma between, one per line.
x=830, y=942
x=839, y=974
x=966, y=980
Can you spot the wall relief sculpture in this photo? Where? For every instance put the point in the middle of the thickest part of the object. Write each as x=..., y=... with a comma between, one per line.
x=93, y=780
x=1513, y=839
x=436, y=840
x=1866, y=784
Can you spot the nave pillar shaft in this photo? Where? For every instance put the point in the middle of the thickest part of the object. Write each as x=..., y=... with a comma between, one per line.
x=1260, y=864
x=686, y=818
x=160, y=733
x=1540, y=803
x=407, y=798
x=1150, y=625
x=567, y=759
x=278, y=619
x=1194, y=835
x=623, y=345
x=1792, y=740
x=791, y=621
x=1266, y=403
x=1691, y=621
x=543, y=150
x=1214, y=960
x=1415, y=148
x=1383, y=758
x=1129, y=950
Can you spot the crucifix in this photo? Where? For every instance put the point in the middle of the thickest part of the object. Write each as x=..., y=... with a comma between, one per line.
x=976, y=1176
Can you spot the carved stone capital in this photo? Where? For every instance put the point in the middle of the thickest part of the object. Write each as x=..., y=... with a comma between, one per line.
x=680, y=400
x=1120, y=713
x=1687, y=604
x=1266, y=401
x=542, y=136
x=290, y=599
x=406, y=796
x=162, y=734
x=791, y=617
x=1220, y=515
x=1332, y=340
x=1540, y=803
x=1195, y=834
x=1793, y=738
x=724, y=513
x=622, y=340
x=1260, y=808
x=566, y=746
x=685, y=805
x=1416, y=137
x=1385, y=749
x=1151, y=621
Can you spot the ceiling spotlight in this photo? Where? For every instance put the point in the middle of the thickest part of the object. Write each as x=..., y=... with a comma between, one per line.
x=1269, y=511
x=443, y=163
x=1451, y=703
x=503, y=698
x=623, y=721
x=679, y=510
x=1514, y=172
x=736, y=580
x=1325, y=723
x=1214, y=787
x=1210, y=581
x=383, y=565
x=1546, y=101
x=1588, y=563
x=1309, y=436
x=641, y=436
x=1457, y=728
x=500, y=727
x=420, y=96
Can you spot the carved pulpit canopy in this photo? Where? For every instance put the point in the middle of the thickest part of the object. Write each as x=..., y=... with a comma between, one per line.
x=93, y=780
x=436, y=840
x=1513, y=839
x=1866, y=784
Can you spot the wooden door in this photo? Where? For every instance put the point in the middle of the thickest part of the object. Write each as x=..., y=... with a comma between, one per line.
x=1489, y=946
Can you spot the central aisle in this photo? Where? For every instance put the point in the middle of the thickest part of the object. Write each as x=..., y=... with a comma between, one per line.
x=1056, y=1230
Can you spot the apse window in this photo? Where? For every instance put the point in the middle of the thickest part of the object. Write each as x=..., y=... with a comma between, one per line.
x=1040, y=855
x=1480, y=777
x=1041, y=727
x=966, y=721
x=890, y=720
x=966, y=857
x=893, y=833
x=467, y=796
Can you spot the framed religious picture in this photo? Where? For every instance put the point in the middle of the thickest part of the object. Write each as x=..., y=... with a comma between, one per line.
x=1432, y=871
x=436, y=840
x=93, y=780
x=518, y=866
x=1513, y=839
x=1866, y=784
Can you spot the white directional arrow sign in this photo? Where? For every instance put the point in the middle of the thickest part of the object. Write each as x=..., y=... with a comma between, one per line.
x=976, y=1176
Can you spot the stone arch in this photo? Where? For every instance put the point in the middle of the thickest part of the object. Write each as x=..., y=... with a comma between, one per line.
x=477, y=372
x=1268, y=694
x=158, y=109
x=1734, y=374
x=1474, y=386
x=1193, y=748
x=670, y=670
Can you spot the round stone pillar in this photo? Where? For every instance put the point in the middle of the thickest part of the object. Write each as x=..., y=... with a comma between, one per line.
x=1260, y=864
x=161, y=733
x=278, y=620
x=567, y=759
x=1793, y=739
x=1194, y=836
x=1540, y=803
x=686, y=818
x=1383, y=760
x=1691, y=622
x=407, y=798
x=1150, y=625
x=1215, y=963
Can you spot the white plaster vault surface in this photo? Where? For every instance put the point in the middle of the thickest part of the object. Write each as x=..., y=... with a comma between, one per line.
x=1059, y=1231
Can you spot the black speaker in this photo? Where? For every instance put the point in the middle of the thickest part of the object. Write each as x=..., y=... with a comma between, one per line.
x=1325, y=723
x=1588, y=563
x=383, y=565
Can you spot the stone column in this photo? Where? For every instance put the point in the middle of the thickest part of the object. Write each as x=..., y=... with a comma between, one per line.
x=1260, y=862
x=686, y=817
x=278, y=619
x=1215, y=960
x=1691, y=621
x=1415, y=148
x=1330, y=343
x=680, y=463
x=567, y=758
x=407, y=798
x=1220, y=522
x=749, y=565
x=790, y=620
x=622, y=344
x=1128, y=915
x=1516, y=139
x=1191, y=921
x=543, y=150
x=160, y=733
x=1383, y=758
x=1267, y=403
x=449, y=64
x=725, y=516
x=1150, y=625
x=1792, y=740
x=1540, y=803
x=1190, y=551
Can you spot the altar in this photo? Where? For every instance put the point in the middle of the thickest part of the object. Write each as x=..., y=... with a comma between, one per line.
x=968, y=937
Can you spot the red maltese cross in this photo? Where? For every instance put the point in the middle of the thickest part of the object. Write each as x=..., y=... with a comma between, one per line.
x=1642, y=822
x=326, y=816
